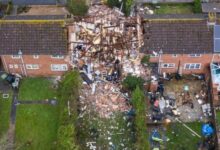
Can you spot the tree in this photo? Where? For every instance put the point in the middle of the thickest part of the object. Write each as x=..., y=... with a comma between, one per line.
x=197, y=6
x=127, y=6
x=139, y=104
x=66, y=134
x=113, y=3
x=131, y=82
x=77, y=7
x=68, y=90
x=125, y=3
x=145, y=60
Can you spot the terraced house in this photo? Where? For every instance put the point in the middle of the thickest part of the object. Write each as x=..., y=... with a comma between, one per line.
x=186, y=44
x=33, y=48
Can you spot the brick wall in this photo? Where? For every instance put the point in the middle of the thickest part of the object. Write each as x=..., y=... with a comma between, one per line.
x=44, y=62
x=204, y=60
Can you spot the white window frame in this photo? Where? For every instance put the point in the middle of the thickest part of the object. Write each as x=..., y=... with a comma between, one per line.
x=15, y=56
x=192, y=66
x=35, y=56
x=167, y=65
x=174, y=55
x=194, y=55
x=32, y=66
x=153, y=56
x=57, y=56
x=58, y=67
x=10, y=66
x=16, y=66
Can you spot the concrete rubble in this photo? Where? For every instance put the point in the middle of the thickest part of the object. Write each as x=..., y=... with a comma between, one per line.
x=105, y=48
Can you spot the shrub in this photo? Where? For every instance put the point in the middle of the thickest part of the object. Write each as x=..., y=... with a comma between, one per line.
x=77, y=7
x=131, y=82
x=145, y=60
x=9, y=7
x=139, y=104
x=197, y=6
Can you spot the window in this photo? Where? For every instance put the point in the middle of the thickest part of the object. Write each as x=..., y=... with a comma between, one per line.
x=154, y=54
x=57, y=56
x=192, y=66
x=32, y=66
x=165, y=65
x=194, y=55
x=15, y=66
x=15, y=56
x=59, y=67
x=174, y=55
x=10, y=66
x=35, y=56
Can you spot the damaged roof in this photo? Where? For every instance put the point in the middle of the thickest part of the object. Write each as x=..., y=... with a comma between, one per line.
x=32, y=37
x=178, y=37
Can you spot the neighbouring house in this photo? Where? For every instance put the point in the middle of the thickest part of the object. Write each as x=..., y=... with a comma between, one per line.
x=34, y=47
x=183, y=44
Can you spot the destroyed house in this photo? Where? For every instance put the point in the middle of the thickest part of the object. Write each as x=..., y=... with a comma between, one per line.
x=180, y=45
x=33, y=47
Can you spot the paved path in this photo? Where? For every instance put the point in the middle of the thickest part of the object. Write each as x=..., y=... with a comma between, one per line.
x=50, y=102
x=11, y=130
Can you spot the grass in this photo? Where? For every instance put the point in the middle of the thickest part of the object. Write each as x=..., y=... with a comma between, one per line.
x=5, y=108
x=37, y=124
x=36, y=127
x=218, y=119
x=36, y=89
x=174, y=9
x=182, y=138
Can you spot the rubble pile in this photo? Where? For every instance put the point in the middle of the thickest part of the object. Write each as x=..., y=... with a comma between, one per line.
x=105, y=100
x=105, y=48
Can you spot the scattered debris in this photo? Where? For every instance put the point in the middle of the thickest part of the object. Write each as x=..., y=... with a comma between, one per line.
x=105, y=48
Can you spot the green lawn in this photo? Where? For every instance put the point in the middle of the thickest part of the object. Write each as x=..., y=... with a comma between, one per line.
x=182, y=138
x=36, y=124
x=5, y=108
x=174, y=9
x=36, y=127
x=218, y=119
x=36, y=89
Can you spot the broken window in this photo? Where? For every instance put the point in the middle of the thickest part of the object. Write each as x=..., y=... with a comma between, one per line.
x=15, y=56
x=168, y=65
x=35, y=56
x=59, y=67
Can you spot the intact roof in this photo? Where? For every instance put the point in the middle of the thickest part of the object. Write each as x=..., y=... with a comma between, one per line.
x=178, y=37
x=174, y=16
x=32, y=37
x=35, y=17
x=34, y=2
